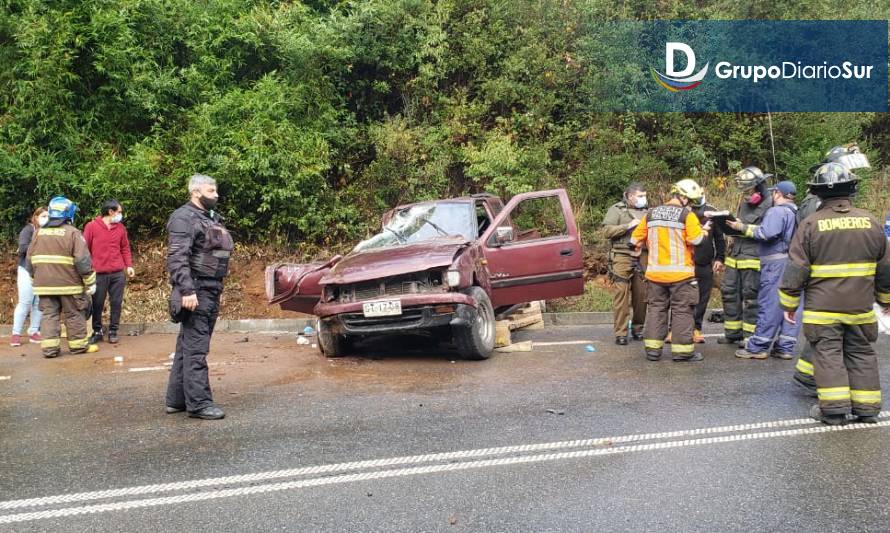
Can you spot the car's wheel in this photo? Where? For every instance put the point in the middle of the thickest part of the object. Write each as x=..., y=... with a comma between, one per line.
x=477, y=341
x=330, y=343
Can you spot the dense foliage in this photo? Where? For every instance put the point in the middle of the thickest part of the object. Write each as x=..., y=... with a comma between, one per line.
x=316, y=116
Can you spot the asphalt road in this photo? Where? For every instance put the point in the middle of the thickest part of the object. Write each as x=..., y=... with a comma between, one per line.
x=405, y=439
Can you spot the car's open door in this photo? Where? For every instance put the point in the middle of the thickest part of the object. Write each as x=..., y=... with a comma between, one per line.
x=533, y=249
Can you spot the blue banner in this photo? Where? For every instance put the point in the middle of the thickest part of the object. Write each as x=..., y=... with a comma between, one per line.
x=738, y=65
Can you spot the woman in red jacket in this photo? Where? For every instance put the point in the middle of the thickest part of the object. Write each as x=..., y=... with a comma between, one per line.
x=109, y=246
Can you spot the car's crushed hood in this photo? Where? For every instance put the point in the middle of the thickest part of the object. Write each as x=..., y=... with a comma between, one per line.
x=394, y=260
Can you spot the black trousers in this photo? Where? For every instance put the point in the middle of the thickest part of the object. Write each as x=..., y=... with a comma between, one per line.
x=109, y=286
x=189, y=384
x=705, y=277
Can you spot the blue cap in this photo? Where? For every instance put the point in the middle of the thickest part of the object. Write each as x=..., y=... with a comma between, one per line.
x=787, y=188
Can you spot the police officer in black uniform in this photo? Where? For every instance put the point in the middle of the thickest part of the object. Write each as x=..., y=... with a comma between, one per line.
x=199, y=248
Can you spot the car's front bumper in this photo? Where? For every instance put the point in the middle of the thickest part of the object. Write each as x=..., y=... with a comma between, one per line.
x=447, y=312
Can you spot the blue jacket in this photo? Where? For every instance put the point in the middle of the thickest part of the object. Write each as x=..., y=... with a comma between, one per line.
x=775, y=231
x=887, y=226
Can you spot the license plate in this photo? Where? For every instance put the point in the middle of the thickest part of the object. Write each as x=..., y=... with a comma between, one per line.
x=384, y=308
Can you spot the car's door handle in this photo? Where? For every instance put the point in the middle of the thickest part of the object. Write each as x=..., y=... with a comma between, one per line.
x=566, y=251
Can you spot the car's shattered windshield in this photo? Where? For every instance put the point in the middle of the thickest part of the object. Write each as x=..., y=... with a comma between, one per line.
x=424, y=222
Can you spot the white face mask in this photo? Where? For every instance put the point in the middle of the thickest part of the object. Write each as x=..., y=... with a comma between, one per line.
x=42, y=220
x=116, y=219
x=640, y=202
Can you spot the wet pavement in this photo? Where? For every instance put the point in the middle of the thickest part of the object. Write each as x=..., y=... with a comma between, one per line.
x=405, y=438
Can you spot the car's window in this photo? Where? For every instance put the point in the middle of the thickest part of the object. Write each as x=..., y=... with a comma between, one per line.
x=424, y=222
x=538, y=218
x=482, y=218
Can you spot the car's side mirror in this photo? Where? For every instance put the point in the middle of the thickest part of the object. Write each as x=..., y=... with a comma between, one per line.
x=503, y=235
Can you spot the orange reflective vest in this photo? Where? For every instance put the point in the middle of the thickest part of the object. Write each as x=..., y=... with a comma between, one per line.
x=670, y=232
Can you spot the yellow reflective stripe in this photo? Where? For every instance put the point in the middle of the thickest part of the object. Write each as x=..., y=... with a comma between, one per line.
x=748, y=328
x=52, y=232
x=844, y=270
x=834, y=393
x=733, y=324
x=749, y=231
x=653, y=343
x=52, y=260
x=78, y=343
x=804, y=367
x=671, y=268
x=50, y=343
x=742, y=264
x=682, y=348
x=786, y=300
x=883, y=297
x=89, y=280
x=67, y=290
x=824, y=318
x=866, y=396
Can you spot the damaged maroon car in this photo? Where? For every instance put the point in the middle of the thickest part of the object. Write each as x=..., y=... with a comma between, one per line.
x=443, y=268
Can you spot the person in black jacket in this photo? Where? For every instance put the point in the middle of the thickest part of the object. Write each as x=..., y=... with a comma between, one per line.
x=27, y=301
x=708, y=258
x=198, y=253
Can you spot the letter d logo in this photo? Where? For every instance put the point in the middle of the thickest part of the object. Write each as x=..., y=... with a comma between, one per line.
x=674, y=80
x=669, y=50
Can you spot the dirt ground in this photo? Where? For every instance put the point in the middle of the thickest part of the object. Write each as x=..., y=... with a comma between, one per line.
x=147, y=293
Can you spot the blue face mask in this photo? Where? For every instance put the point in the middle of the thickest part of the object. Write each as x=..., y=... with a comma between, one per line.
x=116, y=219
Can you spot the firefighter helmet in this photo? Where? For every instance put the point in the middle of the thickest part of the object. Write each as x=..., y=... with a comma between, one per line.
x=750, y=177
x=61, y=207
x=688, y=188
x=833, y=179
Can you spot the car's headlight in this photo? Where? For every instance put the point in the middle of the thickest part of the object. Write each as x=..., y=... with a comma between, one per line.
x=453, y=278
x=330, y=293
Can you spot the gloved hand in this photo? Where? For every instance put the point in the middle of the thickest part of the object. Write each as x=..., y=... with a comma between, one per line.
x=91, y=290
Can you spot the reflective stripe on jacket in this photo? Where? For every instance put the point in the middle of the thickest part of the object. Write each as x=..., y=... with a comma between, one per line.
x=841, y=259
x=59, y=261
x=670, y=232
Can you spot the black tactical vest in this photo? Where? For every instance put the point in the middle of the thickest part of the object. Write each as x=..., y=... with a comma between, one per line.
x=212, y=258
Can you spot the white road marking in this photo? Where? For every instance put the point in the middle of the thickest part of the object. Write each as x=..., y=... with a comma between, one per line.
x=560, y=343
x=146, y=368
x=429, y=469
x=397, y=461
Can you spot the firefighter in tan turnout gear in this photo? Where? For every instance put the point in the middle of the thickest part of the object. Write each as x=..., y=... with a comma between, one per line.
x=840, y=264
x=60, y=264
x=670, y=232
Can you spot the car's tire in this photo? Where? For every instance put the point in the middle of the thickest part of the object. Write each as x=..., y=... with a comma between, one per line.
x=476, y=342
x=331, y=344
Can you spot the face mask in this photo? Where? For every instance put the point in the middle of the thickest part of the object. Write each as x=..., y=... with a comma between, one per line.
x=640, y=202
x=755, y=198
x=116, y=219
x=42, y=220
x=207, y=203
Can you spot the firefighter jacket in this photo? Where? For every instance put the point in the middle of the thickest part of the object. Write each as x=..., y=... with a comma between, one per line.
x=615, y=223
x=198, y=248
x=775, y=232
x=839, y=257
x=59, y=261
x=670, y=232
x=743, y=252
